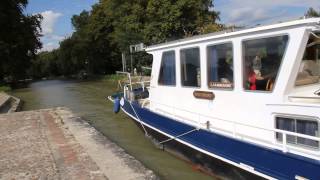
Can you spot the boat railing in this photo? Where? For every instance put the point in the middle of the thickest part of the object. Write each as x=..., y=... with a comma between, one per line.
x=133, y=85
x=129, y=90
x=284, y=146
x=128, y=76
x=141, y=84
x=130, y=84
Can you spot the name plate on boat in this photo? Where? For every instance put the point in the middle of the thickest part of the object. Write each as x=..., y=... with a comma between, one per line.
x=203, y=95
x=220, y=85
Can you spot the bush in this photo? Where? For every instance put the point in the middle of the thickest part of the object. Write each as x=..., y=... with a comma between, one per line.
x=5, y=88
x=115, y=77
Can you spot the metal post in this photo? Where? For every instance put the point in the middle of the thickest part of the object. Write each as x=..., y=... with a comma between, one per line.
x=124, y=62
x=131, y=69
x=284, y=142
x=234, y=129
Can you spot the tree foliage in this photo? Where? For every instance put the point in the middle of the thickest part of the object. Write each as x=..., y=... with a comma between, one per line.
x=105, y=32
x=312, y=13
x=45, y=65
x=19, y=39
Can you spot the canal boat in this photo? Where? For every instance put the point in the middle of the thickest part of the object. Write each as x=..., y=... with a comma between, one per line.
x=248, y=98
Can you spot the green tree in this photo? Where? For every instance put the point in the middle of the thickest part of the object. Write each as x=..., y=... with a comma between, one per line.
x=19, y=38
x=112, y=25
x=169, y=20
x=80, y=21
x=44, y=65
x=312, y=13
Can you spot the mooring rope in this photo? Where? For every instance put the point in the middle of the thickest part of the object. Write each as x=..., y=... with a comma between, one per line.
x=167, y=140
x=144, y=129
x=183, y=134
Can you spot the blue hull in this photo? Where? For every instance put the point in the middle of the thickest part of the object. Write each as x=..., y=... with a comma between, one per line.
x=262, y=161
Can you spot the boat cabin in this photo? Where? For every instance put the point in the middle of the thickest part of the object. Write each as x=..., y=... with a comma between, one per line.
x=259, y=85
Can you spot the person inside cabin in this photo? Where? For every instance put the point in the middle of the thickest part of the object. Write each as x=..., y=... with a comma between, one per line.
x=255, y=72
x=262, y=59
x=225, y=70
x=263, y=71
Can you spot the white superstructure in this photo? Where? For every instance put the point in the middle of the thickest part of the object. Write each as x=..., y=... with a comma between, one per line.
x=264, y=81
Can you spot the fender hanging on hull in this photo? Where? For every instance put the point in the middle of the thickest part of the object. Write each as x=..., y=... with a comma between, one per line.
x=116, y=105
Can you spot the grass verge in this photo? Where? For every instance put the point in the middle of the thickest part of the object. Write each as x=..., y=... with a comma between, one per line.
x=4, y=88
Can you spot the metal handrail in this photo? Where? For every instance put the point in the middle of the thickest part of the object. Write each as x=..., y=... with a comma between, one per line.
x=236, y=124
x=126, y=73
x=142, y=83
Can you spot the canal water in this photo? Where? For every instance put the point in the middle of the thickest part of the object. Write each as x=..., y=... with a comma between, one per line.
x=88, y=100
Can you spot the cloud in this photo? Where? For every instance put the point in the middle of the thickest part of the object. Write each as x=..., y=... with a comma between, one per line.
x=49, y=46
x=55, y=37
x=249, y=12
x=241, y=15
x=253, y=16
x=49, y=20
x=50, y=39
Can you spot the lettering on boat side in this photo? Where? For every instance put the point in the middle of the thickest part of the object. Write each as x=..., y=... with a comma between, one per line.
x=203, y=95
x=220, y=85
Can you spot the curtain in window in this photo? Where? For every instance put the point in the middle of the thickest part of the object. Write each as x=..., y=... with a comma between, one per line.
x=213, y=64
x=168, y=69
x=308, y=128
x=287, y=125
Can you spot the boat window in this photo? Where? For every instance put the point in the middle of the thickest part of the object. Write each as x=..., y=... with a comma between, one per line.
x=309, y=71
x=167, y=74
x=190, y=67
x=302, y=126
x=220, y=66
x=262, y=59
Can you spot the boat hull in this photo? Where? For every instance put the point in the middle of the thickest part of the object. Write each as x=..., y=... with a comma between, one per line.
x=199, y=161
x=209, y=149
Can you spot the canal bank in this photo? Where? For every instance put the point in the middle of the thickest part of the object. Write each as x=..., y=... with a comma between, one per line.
x=56, y=144
x=9, y=104
x=87, y=99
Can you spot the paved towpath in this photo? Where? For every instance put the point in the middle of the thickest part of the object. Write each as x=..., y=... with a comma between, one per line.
x=55, y=144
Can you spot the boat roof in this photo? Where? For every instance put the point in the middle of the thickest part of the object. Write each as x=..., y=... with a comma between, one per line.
x=228, y=33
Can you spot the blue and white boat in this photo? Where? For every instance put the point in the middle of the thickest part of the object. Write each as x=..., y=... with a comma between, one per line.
x=249, y=98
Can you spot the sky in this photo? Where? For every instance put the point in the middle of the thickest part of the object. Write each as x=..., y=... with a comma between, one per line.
x=56, y=24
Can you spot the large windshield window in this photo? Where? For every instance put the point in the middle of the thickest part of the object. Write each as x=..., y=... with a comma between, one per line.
x=262, y=59
x=309, y=71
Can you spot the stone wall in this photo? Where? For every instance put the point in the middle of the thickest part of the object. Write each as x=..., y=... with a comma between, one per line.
x=8, y=103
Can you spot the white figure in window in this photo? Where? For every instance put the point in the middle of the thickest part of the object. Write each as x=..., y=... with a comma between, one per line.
x=256, y=66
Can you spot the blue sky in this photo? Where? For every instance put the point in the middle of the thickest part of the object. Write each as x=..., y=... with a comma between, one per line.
x=57, y=14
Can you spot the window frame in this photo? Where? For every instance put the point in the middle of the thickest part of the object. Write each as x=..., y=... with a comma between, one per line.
x=295, y=118
x=280, y=67
x=302, y=59
x=207, y=65
x=186, y=48
x=175, y=62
